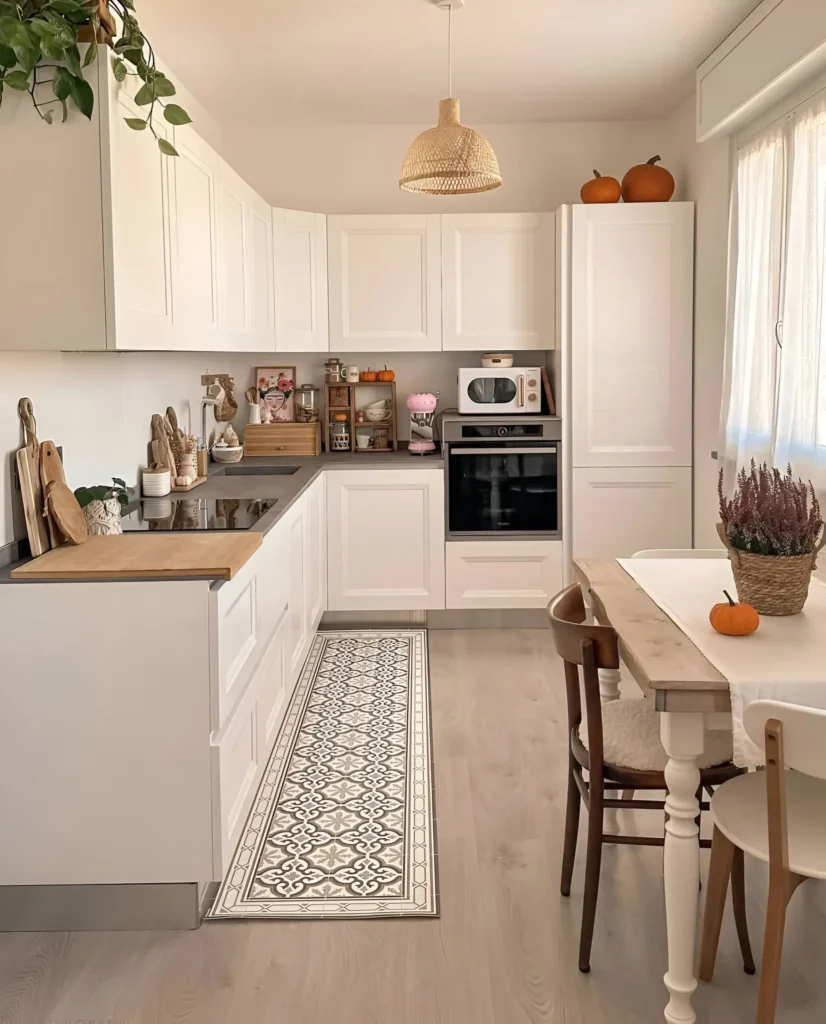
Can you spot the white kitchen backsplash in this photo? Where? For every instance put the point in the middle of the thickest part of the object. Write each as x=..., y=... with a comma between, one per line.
x=98, y=405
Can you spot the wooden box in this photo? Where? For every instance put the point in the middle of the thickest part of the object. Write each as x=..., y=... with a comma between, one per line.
x=282, y=439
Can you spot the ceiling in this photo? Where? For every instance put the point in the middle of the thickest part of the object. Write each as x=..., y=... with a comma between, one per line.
x=384, y=61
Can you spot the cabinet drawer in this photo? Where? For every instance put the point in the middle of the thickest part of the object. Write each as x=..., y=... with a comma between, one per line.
x=503, y=574
x=236, y=772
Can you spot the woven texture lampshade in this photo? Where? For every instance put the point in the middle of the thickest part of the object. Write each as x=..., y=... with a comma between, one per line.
x=450, y=159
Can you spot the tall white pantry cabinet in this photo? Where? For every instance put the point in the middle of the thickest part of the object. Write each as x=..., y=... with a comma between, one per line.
x=625, y=291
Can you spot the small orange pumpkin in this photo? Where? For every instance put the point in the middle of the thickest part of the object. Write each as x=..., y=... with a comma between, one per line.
x=368, y=376
x=647, y=183
x=386, y=376
x=600, y=190
x=734, y=619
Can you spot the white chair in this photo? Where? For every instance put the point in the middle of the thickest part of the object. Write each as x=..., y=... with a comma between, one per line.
x=777, y=816
x=682, y=553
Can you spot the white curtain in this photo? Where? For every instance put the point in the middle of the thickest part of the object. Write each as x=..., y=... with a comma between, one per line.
x=801, y=412
x=751, y=358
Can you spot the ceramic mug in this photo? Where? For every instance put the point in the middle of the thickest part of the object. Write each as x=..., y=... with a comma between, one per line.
x=364, y=441
x=351, y=374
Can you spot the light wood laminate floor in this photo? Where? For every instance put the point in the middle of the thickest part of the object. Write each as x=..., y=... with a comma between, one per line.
x=504, y=950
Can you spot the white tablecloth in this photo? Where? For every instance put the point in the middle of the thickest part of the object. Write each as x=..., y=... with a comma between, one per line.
x=784, y=660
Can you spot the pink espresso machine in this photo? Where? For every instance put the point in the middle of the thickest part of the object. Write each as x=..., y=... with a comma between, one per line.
x=422, y=423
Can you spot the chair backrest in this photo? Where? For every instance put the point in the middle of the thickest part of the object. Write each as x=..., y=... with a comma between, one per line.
x=804, y=733
x=682, y=553
x=579, y=642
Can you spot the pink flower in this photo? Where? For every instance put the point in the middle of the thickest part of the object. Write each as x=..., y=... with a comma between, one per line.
x=284, y=384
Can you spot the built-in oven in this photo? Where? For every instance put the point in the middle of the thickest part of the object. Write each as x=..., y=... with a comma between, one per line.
x=503, y=477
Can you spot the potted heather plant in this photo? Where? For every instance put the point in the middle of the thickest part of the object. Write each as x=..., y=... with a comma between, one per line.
x=773, y=531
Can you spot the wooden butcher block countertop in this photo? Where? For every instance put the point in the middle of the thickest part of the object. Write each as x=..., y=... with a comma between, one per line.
x=134, y=556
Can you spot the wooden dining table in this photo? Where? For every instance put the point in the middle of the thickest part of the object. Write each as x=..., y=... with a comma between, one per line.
x=693, y=698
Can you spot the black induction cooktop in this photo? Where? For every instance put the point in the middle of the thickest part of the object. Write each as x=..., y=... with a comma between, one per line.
x=184, y=511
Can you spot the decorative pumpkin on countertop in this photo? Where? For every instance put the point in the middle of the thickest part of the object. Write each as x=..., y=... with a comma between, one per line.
x=734, y=619
x=368, y=376
x=386, y=376
x=601, y=190
x=647, y=183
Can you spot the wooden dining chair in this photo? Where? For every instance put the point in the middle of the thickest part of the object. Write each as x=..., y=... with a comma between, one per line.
x=778, y=816
x=622, y=750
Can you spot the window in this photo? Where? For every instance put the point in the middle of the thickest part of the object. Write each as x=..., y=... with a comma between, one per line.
x=776, y=373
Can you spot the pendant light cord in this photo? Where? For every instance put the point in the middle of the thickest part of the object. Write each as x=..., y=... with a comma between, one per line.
x=450, y=51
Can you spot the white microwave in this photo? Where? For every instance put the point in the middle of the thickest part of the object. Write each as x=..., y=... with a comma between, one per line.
x=499, y=390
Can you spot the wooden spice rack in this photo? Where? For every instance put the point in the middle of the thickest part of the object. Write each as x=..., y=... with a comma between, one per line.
x=342, y=398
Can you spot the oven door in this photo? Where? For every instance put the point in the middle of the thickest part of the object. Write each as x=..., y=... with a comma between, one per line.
x=503, y=491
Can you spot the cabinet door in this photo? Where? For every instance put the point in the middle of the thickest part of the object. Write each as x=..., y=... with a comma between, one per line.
x=385, y=283
x=503, y=574
x=195, y=282
x=259, y=244
x=498, y=281
x=297, y=614
x=617, y=512
x=315, y=555
x=631, y=334
x=233, y=270
x=386, y=536
x=300, y=268
x=142, y=246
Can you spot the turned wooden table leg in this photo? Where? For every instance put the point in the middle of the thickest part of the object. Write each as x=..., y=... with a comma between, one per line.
x=683, y=737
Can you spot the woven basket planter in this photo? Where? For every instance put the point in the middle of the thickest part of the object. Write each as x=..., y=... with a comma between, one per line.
x=772, y=584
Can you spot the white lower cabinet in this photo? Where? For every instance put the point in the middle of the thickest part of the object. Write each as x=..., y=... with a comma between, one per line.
x=385, y=539
x=619, y=511
x=502, y=574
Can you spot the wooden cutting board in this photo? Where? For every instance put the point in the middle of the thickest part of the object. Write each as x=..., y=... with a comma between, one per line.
x=136, y=556
x=51, y=471
x=31, y=490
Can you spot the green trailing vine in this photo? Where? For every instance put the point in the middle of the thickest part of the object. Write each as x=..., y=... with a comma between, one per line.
x=39, y=47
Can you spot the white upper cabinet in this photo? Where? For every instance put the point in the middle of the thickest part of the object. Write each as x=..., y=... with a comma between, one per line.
x=259, y=263
x=385, y=283
x=632, y=281
x=195, y=285
x=498, y=281
x=142, y=249
x=300, y=244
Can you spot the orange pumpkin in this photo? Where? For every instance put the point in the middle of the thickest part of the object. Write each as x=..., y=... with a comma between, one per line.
x=600, y=190
x=734, y=619
x=368, y=376
x=386, y=375
x=647, y=183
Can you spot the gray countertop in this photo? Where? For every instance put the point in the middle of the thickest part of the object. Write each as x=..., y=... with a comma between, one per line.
x=285, y=489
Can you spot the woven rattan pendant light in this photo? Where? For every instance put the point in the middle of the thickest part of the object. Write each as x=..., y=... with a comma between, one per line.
x=450, y=159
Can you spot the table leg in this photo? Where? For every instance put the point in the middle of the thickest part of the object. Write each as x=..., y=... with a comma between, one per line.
x=682, y=736
x=609, y=690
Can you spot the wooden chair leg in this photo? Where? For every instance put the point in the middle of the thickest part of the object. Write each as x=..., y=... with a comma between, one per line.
x=738, y=899
x=722, y=856
x=593, y=863
x=571, y=832
x=779, y=892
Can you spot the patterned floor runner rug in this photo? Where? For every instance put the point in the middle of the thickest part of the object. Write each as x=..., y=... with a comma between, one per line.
x=343, y=825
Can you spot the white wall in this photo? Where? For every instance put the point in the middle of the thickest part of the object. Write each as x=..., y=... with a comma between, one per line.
x=707, y=181
x=355, y=168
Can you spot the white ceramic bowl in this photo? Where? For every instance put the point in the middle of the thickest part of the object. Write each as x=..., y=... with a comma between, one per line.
x=490, y=360
x=376, y=415
x=227, y=453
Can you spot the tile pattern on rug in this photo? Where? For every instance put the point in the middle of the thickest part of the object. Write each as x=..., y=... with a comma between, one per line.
x=342, y=825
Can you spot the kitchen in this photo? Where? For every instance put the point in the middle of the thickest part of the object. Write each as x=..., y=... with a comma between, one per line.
x=342, y=414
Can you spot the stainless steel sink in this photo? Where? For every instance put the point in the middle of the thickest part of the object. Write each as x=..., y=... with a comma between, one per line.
x=260, y=470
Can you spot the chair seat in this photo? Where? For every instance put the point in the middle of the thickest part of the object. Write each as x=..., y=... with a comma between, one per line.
x=631, y=738
x=739, y=810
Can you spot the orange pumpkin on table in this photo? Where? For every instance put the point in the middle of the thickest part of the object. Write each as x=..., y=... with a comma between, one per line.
x=734, y=619
x=600, y=190
x=647, y=183
x=386, y=376
x=368, y=376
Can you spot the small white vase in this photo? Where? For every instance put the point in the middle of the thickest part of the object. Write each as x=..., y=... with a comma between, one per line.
x=255, y=413
x=102, y=517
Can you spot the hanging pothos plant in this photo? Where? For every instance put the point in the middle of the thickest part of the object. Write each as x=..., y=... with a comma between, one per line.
x=39, y=46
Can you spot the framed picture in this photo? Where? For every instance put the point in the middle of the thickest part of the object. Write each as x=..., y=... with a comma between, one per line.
x=276, y=393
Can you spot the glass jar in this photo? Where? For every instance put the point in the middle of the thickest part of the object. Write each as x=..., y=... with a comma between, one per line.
x=332, y=371
x=306, y=404
x=340, y=434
